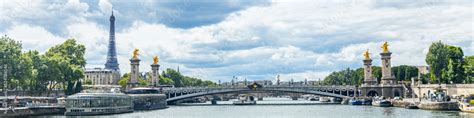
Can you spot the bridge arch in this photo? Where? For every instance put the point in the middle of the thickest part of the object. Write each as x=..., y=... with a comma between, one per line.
x=224, y=91
x=372, y=93
x=396, y=93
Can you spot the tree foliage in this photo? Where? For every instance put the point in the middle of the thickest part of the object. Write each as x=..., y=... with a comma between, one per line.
x=469, y=69
x=404, y=72
x=68, y=59
x=356, y=77
x=170, y=77
x=30, y=71
x=344, y=77
x=125, y=77
x=446, y=63
x=437, y=59
x=17, y=66
x=179, y=80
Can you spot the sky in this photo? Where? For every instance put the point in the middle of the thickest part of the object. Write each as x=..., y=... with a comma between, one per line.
x=253, y=40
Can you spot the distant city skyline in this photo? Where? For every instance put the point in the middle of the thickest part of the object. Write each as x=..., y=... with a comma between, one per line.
x=253, y=40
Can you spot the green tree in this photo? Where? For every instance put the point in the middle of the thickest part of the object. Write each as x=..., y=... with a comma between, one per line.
x=34, y=83
x=175, y=76
x=125, y=77
x=446, y=63
x=68, y=57
x=70, y=88
x=437, y=59
x=88, y=82
x=123, y=80
x=455, y=71
x=179, y=80
x=78, y=88
x=344, y=77
x=142, y=82
x=49, y=72
x=18, y=69
x=404, y=72
x=165, y=81
x=469, y=69
x=377, y=72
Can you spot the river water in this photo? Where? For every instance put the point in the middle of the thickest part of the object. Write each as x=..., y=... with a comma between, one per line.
x=273, y=108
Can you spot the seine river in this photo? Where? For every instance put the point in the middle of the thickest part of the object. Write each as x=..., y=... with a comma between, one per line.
x=273, y=108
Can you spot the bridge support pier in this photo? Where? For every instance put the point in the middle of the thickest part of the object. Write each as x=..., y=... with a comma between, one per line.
x=134, y=65
x=388, y=87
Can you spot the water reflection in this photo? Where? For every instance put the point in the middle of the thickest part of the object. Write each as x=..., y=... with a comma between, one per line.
x=281, y=111
x=388, y=112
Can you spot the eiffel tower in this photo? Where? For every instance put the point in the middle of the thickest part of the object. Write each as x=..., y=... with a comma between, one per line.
x=112, y=63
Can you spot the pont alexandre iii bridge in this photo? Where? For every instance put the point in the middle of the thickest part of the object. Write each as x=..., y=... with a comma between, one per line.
x=176, y=94
x=386, y=87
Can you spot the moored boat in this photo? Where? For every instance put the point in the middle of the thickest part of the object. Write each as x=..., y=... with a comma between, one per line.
x=98, y=102
x=411, y=106
x=245, y=100
x=381, y=102
x=355, y=102
x=366, y=102
x=438, y=100
x=324, y=99
x=314, y=99
x=467, y=105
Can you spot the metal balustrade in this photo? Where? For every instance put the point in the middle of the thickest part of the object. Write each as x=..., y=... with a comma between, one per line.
x=180, y=93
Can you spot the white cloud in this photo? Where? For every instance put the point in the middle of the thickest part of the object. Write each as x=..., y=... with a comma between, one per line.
x=297, y=39
x=33, y=37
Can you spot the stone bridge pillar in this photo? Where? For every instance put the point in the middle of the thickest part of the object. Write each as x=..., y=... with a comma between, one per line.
x=368, y=78
x=388, y=86
x=134, y=73
x=155, y=80
x=387, y=77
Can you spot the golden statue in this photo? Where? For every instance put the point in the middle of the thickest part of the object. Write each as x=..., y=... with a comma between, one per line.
x=135, y=53
x=366, y=54
x=155, y=60
x=385, y=47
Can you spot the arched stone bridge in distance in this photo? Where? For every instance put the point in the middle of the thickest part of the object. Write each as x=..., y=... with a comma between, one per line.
x=176, y=94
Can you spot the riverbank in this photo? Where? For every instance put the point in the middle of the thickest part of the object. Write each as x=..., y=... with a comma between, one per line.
x=26, y=111
x=428, y=105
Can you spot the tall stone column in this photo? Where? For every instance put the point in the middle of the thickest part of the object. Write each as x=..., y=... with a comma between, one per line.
x=134, y=74
x=387, y=77
x=155, y=80
x=368, y=78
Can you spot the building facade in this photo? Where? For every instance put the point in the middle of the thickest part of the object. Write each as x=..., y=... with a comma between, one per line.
x=100, y=76
x=423, y=69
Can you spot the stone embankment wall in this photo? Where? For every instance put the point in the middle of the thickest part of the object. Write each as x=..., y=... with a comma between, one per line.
x=438, y=105
x=24, y=111
x=452, y=89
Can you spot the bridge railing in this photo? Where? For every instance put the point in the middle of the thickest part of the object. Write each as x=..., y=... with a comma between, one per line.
x=204, y=89
x=188, y=92
x=292, y=86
